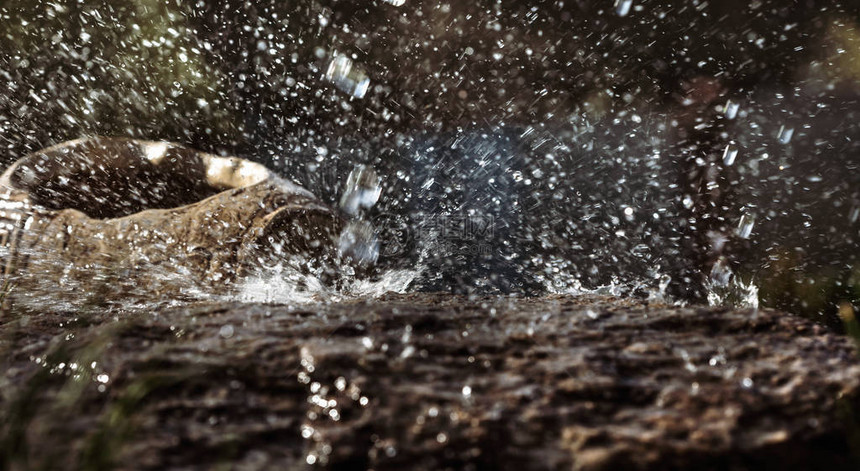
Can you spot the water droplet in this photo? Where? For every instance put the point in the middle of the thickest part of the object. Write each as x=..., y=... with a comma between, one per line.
x=731, y=109
x=730, y=154
x=687, y=201
x=785, y=134
x=408, y=351
x=362, y=190
x=622, y=7
x=628, y=213
x=226, y=331
x=745, y=226
x=347, y=77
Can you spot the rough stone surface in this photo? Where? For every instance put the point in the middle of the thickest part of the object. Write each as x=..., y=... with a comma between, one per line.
x=104, y=216
x=431, y=382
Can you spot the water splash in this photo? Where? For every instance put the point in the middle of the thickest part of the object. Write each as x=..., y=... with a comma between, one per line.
x=578, y=199
x=724, y=288
x=737, y=294
x=284, y=286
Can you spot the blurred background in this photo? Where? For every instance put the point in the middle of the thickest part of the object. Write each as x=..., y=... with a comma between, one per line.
x=702, y=150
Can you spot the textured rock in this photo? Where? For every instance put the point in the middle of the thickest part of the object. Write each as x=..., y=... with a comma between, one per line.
x=101, y=214
x=430, y=382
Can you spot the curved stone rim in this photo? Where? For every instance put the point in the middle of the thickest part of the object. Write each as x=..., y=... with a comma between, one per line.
x=177, y=198
x=222, y=173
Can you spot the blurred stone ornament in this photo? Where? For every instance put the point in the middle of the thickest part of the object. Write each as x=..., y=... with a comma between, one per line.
x=121, y=215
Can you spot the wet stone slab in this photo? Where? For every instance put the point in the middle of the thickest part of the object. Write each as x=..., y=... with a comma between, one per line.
x=428, y=382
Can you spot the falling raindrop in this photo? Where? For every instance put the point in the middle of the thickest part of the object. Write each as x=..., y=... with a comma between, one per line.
x=731, y=109
x=628, y=213
x=362, y=190
x=785, y=134
x=358, y=242
x=730, y=153
x=622, y=7
x=745, y=226
x=347, y=77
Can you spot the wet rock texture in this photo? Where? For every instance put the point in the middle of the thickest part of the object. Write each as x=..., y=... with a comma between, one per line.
x=428, y=382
